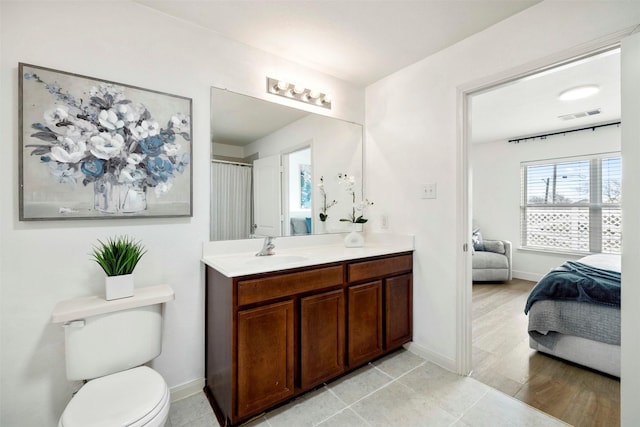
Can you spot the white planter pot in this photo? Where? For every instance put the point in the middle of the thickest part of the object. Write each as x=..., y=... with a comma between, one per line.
x=117, y=287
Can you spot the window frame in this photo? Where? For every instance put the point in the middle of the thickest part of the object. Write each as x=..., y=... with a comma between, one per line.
x=595, y=204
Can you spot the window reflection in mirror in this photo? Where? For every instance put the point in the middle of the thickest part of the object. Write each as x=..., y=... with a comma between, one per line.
x=267, y=162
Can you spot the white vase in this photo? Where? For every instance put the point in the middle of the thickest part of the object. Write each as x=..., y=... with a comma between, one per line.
x=354, y=239
x=117, y=287
x=111, y=196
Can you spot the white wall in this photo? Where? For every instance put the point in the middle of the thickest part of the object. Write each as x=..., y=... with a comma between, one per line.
x=225, y=150
x=496, y=188
x=42, y=263
x=412, y=118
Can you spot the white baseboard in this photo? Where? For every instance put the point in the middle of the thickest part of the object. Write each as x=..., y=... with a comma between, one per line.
x=525, y=275
x=438, y=359
x=185, y=390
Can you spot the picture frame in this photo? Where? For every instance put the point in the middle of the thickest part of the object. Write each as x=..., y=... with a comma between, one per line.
x=91, y=148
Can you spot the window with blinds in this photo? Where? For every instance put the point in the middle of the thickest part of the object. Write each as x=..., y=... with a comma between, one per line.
x=572, y=204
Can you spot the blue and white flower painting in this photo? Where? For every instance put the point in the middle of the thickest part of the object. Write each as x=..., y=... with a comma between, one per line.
x=109, y=144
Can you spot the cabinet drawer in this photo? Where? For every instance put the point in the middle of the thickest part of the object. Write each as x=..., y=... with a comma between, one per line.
x=379, y=268
x=282, y=285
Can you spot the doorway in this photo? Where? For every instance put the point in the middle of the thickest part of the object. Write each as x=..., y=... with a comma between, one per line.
x=513, y=233
x=297, y=191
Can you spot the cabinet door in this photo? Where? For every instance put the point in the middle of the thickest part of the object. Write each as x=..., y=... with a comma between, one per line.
x=322, y=329
x=365, y=322
x=398, y=311
x=265, y=356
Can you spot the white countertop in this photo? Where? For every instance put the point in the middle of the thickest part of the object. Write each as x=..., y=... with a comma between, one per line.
x=237, y=257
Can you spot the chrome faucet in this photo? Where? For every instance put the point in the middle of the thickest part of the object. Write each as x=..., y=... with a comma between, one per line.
x=268, y=247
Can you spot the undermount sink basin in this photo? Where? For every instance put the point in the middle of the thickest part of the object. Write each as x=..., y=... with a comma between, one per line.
x=276, y=259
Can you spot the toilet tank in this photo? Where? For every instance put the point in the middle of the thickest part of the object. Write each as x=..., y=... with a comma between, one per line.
x=104, y=337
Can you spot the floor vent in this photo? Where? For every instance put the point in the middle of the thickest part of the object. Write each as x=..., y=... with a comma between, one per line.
x=580, y=114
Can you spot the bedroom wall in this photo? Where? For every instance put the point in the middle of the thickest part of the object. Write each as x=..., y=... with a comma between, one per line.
x=412, y=122
x=42, y=263
x=496, y=188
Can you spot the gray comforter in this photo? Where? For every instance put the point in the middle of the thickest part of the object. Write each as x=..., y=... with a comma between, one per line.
x=590, y=321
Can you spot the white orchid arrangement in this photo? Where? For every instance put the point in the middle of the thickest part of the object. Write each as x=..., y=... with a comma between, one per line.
x=107, y=133
x=325, y=205
x=357, y=209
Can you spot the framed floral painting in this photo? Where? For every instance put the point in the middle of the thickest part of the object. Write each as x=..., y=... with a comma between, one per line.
x=95, y=149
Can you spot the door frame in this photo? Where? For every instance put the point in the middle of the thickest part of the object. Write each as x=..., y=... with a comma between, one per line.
x=284, y=183
x=464, y=362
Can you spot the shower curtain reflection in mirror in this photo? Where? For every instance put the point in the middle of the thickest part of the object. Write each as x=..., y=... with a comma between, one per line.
x=231, y=201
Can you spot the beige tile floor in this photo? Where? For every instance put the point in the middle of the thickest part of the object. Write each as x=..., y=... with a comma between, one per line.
x=401, y=389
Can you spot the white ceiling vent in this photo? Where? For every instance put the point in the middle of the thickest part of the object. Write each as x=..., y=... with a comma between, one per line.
x=580, y=114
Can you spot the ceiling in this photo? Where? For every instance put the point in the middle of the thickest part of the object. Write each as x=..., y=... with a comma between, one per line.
x=240, y=120
x=360, y=41
x=364, y=41
x=531, y=106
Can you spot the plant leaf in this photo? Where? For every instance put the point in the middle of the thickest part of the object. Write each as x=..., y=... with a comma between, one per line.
x=118, y=256
x=45, y=136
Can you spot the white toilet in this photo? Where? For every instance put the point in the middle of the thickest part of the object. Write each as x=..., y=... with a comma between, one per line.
x=108, y=343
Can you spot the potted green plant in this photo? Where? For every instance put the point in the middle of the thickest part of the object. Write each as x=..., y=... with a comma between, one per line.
x=118, y=258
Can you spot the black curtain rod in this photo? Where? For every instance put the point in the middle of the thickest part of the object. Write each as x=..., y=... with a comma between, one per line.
x=544, y=136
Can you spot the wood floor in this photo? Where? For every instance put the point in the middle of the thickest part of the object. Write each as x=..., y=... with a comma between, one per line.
x=503, y=360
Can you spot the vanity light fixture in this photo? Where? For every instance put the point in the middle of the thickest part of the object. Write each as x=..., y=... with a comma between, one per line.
x=299, y=93
x=578, y=92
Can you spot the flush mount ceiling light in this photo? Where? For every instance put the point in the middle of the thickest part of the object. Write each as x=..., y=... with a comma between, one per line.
x=578, y=92
x=299, y=93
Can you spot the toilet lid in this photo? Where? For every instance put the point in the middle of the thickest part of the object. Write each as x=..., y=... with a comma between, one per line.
x=120, y=399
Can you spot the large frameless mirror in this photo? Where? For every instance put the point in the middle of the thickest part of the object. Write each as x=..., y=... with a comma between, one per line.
x=274, y=169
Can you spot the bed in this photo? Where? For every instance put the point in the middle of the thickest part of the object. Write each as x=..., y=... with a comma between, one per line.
x=574, y=313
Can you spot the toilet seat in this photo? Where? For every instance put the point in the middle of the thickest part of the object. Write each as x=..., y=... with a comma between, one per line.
x=133, y=398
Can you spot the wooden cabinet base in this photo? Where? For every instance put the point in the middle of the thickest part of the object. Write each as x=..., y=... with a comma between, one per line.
x=274, y=336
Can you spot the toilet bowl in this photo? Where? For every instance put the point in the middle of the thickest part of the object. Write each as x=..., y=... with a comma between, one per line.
x=134, y=398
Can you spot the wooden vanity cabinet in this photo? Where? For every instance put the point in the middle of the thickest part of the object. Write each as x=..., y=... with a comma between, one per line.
x=270, y=337
x=380, y=310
